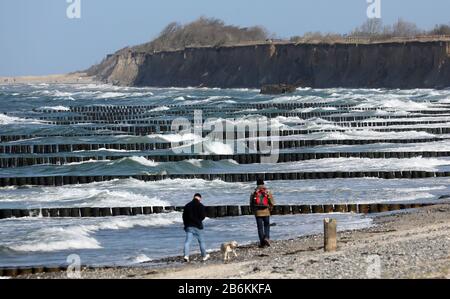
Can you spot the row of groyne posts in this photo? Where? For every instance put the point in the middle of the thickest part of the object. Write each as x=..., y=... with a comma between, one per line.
x=12, y=161
x=120, y=118
x=280, y=144
x=211, y=211
x=17, y=154
x=226, y=177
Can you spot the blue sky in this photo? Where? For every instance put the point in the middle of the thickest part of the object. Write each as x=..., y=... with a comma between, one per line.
x=37, y=38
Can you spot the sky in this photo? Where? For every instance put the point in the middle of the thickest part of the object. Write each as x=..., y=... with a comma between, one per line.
x=38, y=38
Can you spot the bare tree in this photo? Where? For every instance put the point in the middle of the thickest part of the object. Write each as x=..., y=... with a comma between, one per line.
x=405, y=29
x=371, y=28
x=441, y=30
x=374, y=29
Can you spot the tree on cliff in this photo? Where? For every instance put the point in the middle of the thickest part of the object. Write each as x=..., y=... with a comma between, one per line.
x=202, y=32
x=374, y=29
x=441, y=30
x=370, y=28
x=405, y=29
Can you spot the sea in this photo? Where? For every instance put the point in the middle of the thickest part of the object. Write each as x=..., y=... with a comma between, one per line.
x=46, y=114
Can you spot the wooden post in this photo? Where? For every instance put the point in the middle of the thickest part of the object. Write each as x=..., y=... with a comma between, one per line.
x=330, y=235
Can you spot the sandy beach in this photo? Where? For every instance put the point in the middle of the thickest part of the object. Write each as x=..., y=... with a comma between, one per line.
x=72, y=78
x=409, y=244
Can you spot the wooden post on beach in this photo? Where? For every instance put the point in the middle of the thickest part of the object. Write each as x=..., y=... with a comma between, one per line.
x=330, y=235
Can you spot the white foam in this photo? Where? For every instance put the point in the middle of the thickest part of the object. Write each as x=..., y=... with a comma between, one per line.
x=252, y=121
x=109, y=95
x=445, y=101
x=119, y=223
x=216, y=98
x=91, y=161
x=246, y=110
x=137, y=159
x=158, y=109
x=58, y=238
x=289, y=119
x=55, y=108
x=176, y=138
x=180, y=184
x=107, y=150
x=141, y=258
x=285, y=99
x=245, y=89
x=61, y=94
x=357, y=134
x=313, y=109
x=199, y=163
x=361, y=164
x=218, y=148
x=195, y=162
x=141, y=94
x=195, y=100
x=124, y=193
x=418, y=189
x=50, y=239
x=394, y=103
x=408, y=197
x=142, y=161
x=8, y=120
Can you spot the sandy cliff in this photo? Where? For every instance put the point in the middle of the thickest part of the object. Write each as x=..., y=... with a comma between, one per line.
x=411, y=64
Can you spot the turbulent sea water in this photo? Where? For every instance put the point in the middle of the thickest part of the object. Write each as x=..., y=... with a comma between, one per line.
x=133, y=240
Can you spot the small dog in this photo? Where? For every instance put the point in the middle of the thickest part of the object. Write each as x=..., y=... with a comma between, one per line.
x=228, y=248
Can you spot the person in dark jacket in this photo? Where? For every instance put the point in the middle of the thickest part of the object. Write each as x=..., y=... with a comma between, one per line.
x=193, y=215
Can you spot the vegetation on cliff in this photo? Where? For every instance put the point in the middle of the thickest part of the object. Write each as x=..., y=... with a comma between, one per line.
x=194, y=55
x=175, y=36
x=202, y=32
x=375, y=30
x=214, y=32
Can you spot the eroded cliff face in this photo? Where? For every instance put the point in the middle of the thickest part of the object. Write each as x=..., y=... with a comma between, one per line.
x=386, y=65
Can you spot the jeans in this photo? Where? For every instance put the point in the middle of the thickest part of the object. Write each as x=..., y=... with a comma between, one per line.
x=198, y=234
x=263, y=224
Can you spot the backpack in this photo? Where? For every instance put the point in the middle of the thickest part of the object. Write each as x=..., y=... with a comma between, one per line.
x=261, y=198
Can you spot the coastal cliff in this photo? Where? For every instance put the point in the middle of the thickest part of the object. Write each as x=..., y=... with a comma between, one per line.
x=412, y=64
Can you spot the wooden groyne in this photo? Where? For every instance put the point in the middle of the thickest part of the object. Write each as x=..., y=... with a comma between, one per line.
x=211, y=211
x=226, y=177
x=282, y=144
x=28, y=160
